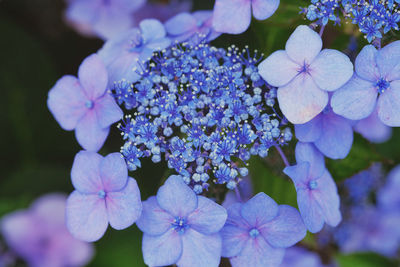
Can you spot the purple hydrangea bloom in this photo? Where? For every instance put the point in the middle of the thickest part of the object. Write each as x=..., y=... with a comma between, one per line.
x=84, y=104
x=185, y=26
x=103, y=18
x=258, y=231
x=305, y=74
x=376, y=84
x=123, y=54
x=331, y=134
x=162, y=10
x=234, y=16
x=39, y=236
x=104, y=194
x=373, y=129
x=317, y=195
x=300, y=257
x=180, y=227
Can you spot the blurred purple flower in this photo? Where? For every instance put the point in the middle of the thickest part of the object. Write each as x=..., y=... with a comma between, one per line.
x=84, y=104
x=180, y=227
x=124, y=54
x=258, y=231
x=39, y=235
x=373, y=129
x=162, y=11
x=305, y=74
x=104, y=194
x=375, y=84
x=389, y=195
x=317, y=195
x=234, y=16
x=300, y=257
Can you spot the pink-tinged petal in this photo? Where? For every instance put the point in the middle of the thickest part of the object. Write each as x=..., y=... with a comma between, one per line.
x=176, y=197
x=263, y=9
x=299, y=174
x=113, y=172
x=124, y=207
x=284, y=230
x=74, y=252
x=257, y=252
x=200, y=250
x=309, y=131
x=259, y=210
x=66, y=101
x=303, y=45
x=331, y=69
x=337, y=137
x=90, y=135
x=373, y=129
x=278, y=69
x=355, y=100
x=154, y=220
x=389, y=105
x=208, y=218
x=310, y=211
x=388, y=61
x=162, y=250
x=180, y=24
x=301, y=100
x=365, y=65
x=86, y=216
x=50, y=209
x=232, y=16
x=233, y=240
x=85, y=173
x=107, y=111
x=93, y=76
x=327, y=197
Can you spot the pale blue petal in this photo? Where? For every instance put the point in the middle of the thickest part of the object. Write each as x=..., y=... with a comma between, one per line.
x=388, y=195
x=151, y=30
x=85, y=173
x=235, y=218
x=306, y=152
x=113, y=172
x=90, y=135
x=389, y=105
x=299, y=174
x=233, y=240
x=365, y=64
x=232, y=16
x=388, y=60
x=108, y=112
x=180, y=24
x=309, y=131
x=373, y=129
x=259, y=210
x=93, y=77
x=310, y=211
x=263, y=9
x=110, y=22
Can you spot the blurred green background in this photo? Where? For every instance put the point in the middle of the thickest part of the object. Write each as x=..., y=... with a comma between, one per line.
x=37, y=48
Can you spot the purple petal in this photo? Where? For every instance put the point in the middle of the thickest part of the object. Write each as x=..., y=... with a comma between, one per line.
x=110, y=22
x=306, y=152
x=89, y=133
x=388, y=59
x=86, y=216
x=129, y=5
x=50, y=208
x=203, y=15
x=278, y=69
x=66, y=101
x=233, y=240
x=301, y=100
x=263, y=9
x=152, y=29
x=200, y=250
x=286, y=229
x=113, y=172
x=257, y=252
x=388, y=195
x=309, y=131
x=310, y=210
x=365, y=64
x=85, y=173
x=355, y=100
x=331, y=69
x=124, y=67
x=154, y=220
x=389, y=105
x=299, y=174
x=259, y=210
x=107, y=111
x=373, y=129
x=303, y=45
x=124, y=207
x=180, y=24
x=337, y=137
x=232, y=16
x=162, y=250
x=156, y=45
x=93, y=76
x=235, y=218
x=208, y=218
x=176, y=197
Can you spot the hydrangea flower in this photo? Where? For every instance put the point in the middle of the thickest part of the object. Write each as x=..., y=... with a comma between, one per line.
x=331, y=134
x=194, y=26
x=372, y=129
x=39, y=236
x=388, y=196
x=104, y=194
x=376, y=84
x=234, y=16
x=243, y=193
x=84, y=105
x=300, y=257
x=305, y=74
x=123, y=54
x=317, y=195
x=103, y=18
x=257, y=232
x=180, y=227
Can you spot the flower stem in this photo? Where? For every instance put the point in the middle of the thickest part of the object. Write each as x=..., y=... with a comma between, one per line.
x=285, y=160
x=321, y=31
x=239, y=198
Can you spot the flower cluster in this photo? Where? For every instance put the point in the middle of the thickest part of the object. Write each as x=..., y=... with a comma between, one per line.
x=206, y=109
x=373, y=17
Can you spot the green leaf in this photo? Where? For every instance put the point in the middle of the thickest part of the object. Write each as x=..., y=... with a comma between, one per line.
x=363, y=260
